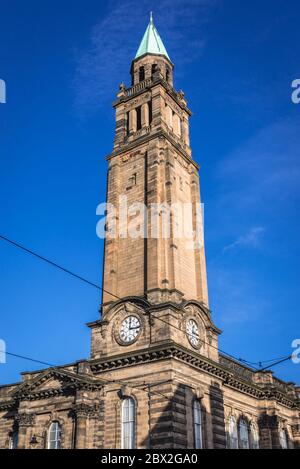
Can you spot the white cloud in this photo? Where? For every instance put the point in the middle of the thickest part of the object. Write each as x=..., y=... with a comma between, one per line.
x=251, y=239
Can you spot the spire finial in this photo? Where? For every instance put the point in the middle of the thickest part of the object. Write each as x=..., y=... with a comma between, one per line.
x=151, y=17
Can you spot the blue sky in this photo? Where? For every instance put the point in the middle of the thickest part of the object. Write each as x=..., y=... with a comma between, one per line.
x=62, y=62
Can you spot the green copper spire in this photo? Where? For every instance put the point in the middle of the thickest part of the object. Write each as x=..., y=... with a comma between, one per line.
x=151, y=42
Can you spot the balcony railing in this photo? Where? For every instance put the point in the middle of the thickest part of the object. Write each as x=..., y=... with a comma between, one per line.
x=138, y=87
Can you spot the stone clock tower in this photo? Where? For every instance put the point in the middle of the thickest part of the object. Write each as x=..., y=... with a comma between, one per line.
x=155, y=378
x=151, y=164
x=158, y=274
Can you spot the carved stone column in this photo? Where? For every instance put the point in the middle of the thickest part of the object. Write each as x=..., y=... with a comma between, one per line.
x=145, y=115
x=25, y=421
x=132, y=121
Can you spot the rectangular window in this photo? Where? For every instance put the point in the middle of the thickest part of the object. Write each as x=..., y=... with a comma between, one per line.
x=150, y=111
x=139, y=118
x=127, y=123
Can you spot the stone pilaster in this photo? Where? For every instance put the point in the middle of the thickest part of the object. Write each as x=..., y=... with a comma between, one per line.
x=25, y=421
x=83, y=412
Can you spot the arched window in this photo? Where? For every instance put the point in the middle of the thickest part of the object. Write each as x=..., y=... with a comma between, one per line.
x=153, y=69
x=283, y=439
x=233, y=434
x=141, y=74
x=128, y=423
x=13, y=440
x=254, y=436
x=198, y=425
x=244, y=434
x=54, y=436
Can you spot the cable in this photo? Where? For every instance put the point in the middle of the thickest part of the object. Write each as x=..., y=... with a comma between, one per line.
x=54, y=264
x=277, y=363
x=79, y=277
x=28, y=358
x=102, y=379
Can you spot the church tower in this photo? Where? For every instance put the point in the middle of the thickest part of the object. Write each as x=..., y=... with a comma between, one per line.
x=154, y=282
x=151, y=164
x=155, y=378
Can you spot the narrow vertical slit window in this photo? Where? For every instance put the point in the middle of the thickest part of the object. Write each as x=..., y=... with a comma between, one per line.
x=153, y=69
x=150, y=111
x=141, y=74
x=139, y=118
x=127, y=123
x=197, y=425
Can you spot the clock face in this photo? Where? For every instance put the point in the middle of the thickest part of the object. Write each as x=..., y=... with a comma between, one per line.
x=130, y=329
x=192, y=331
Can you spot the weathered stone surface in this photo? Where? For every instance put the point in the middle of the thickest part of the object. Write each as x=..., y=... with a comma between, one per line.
x=164, y=285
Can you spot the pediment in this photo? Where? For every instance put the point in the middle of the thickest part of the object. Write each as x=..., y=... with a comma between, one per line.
x=54, y=382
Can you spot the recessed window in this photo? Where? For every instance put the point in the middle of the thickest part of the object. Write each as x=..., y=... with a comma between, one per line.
x=141, y=73
x=128, y=423
x=244, y=434
x=127, y=122
x=254, y=436
x=54, y=436
x=150, y=111
x=167, y=75
x=233, y=440
x=139, y=118
x=153, y=69
x=13, y=440
x=198, y=425
x=283, y=439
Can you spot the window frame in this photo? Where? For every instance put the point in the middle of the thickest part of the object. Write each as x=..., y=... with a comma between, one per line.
x=13, y=440
x=243, y=432
x=283, y=433
x=141, y=73
x=254, y=431
x=198, y=424
x=58, y=435
x=232, y=421
x=131, y=421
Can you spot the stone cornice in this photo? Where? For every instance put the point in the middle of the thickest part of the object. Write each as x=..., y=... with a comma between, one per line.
x=229, y=377
x=8, y=405
x=164, y=351
x=146, y=138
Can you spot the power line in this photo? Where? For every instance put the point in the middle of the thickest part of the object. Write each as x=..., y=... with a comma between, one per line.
x=277, y=363
x=107, y=381
x=28, y=359
x=54, y=264
x=79, y=277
